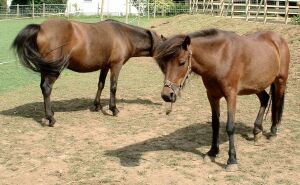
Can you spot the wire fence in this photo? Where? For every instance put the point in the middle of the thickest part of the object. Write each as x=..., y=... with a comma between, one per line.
x=248, y=9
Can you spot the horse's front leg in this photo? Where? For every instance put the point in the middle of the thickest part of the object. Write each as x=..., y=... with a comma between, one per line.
x=47, y=82
x=101, y=84
x=215, y=110
x=230, y=129
x=114, y=74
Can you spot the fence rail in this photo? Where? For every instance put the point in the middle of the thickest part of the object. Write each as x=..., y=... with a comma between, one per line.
x=247, y=9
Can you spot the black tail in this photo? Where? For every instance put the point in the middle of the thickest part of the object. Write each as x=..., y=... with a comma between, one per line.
x=277, y=105
x=25, y=46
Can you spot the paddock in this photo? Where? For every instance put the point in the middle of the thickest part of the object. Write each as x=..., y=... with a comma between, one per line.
x=142, y=145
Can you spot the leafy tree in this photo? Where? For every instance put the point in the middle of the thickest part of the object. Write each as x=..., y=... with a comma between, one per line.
x=3, y=3
x=27, y=2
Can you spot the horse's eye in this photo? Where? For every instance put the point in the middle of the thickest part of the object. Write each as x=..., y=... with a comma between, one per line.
x=182, y=62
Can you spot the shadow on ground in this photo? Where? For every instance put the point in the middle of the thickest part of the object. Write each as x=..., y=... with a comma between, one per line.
x=186, y=139
x=35, y=110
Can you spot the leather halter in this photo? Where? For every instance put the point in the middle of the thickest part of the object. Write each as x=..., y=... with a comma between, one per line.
x=175, y=88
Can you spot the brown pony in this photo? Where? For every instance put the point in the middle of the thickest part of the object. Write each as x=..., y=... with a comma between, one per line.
x=229, y=65
x=56, y=44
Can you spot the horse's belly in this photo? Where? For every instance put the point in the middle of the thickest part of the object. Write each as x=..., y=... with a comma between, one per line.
x=83, y=66
x=254, y=87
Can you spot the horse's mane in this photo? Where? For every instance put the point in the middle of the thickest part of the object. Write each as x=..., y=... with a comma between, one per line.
x=126, y=25
x=170, y=47
x=204, y=33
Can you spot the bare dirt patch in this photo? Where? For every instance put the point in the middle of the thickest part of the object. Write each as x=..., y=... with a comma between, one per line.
x=143, y=145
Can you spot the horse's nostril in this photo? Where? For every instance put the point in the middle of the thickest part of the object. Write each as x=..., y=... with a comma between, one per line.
x=166, y=97
x=172, y=95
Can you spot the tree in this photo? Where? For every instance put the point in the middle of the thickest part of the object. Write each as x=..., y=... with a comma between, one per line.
x=27, y=2
x=3, y=3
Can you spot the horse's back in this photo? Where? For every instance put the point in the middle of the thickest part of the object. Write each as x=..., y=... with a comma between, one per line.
x=88, y=45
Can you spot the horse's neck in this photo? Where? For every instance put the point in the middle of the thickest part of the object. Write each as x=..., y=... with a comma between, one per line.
x=205, y=53
x=141, y=43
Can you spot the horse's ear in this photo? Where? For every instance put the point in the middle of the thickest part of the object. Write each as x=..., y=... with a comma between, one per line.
x=163, y=37
x=186, y=42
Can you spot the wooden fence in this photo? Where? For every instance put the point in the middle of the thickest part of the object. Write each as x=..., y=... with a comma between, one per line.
x=257, y=10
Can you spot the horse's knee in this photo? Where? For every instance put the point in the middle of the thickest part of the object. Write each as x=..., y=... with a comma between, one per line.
x=230, y=128
x=113, y=89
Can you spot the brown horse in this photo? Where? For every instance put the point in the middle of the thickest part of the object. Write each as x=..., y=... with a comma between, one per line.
x=229, y=65
x=56, y=44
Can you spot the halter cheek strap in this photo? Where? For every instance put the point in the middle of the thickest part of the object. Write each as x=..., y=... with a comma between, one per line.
x=175, y=88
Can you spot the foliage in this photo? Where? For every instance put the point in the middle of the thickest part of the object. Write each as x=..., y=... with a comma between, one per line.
x=296, y=20
x=27, y=2
x=163, y=7
x=3, y=3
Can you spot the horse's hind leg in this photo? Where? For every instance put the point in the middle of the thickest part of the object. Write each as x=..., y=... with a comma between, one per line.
x=47, y=82
x=114, y=75
x=264, y=99
x=101, y=84
x=215, y=110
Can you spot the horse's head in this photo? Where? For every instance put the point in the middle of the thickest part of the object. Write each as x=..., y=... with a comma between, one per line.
x=174, y=58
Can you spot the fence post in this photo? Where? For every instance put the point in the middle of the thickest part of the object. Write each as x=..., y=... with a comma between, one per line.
x=129, y=7
x=247, y=9
x=212, y=7
x=286, y=11
x=163, y=8
x=203, y=6
x=261, y=1
x=148, y=9
x=44, y=7
x=139, y=1
x=222, y=7
x=265, y=11
x=232, y=8
x=154, y=15
x=277, y=8
x=18, y=10
x=101, y=11
x=126, y=19
x=190, y=6
x=33, y=9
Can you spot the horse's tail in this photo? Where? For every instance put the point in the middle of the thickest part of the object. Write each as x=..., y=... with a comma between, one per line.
x=278, y=87
x=26, y=48
x=277, y=104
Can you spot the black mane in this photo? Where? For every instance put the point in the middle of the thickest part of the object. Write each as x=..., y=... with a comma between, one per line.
x=204, y=33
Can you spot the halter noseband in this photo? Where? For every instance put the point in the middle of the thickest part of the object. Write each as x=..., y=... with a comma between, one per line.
x=175, y=88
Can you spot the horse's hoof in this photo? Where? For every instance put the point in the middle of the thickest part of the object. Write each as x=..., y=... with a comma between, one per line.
x=209, y=159
x=232, y=167
x=48, y=122
x=96, y=108
x=272, y=136
x=45, y=122
x=52, y=122
x=115, y=112
x=257, y=136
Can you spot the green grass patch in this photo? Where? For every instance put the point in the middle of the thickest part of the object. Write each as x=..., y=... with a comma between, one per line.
x=12, y=74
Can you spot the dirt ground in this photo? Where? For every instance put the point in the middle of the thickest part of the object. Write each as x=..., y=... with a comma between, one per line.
x=143, y=145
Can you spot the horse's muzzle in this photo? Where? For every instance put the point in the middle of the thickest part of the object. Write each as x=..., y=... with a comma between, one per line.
x=168, y=95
